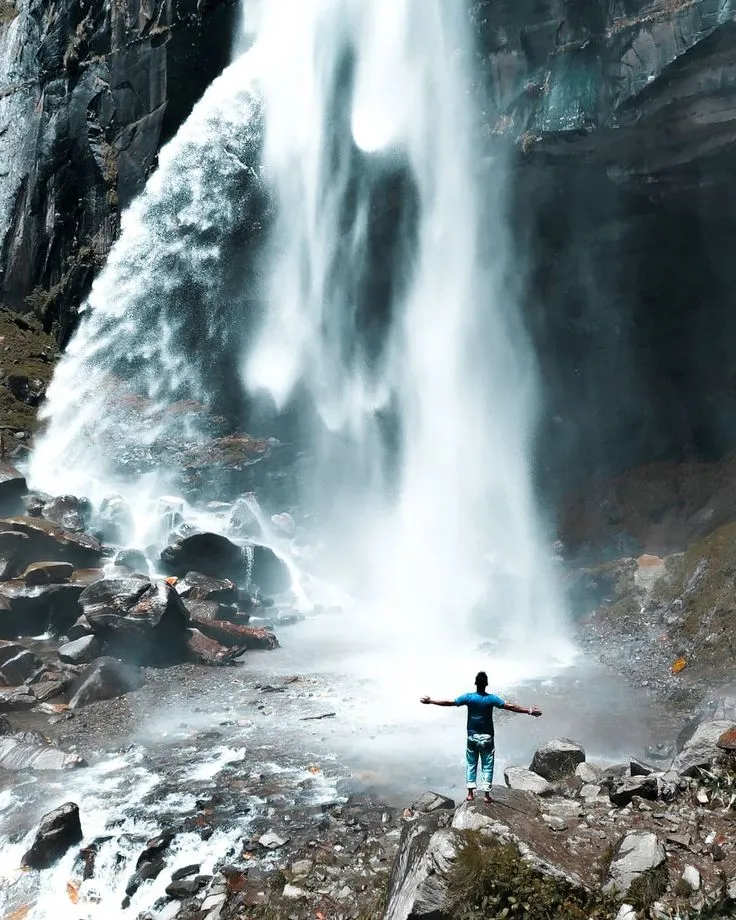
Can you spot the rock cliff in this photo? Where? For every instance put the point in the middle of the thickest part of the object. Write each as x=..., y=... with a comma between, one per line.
x=88, y=93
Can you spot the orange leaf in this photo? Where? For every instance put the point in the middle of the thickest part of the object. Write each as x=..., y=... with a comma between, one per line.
x=73, y=891
x=679, y=665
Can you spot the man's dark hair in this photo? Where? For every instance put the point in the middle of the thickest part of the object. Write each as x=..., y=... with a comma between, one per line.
x=481, y=679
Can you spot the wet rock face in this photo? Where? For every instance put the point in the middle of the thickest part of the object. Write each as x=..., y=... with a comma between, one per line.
x=105, y=679
x=59, y=830
x=86, y=104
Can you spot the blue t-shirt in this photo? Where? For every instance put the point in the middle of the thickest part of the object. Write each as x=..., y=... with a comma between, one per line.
x=480, y=711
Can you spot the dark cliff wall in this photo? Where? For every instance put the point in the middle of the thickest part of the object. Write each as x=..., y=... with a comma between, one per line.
x=89, y=91
x=622, y=195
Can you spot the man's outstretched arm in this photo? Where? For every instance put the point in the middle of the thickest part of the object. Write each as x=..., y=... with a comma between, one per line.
x=524, y=710
x=430, y=702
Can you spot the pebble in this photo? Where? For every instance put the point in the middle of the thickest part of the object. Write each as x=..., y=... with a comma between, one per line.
x=302, y=867
x=212, y=900
x=272, y=841
x=691, y=877
x=293, y=893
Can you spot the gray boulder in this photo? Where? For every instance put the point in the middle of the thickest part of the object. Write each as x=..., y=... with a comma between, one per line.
x=526, y=781
x=647, y=787
x=18, y=669
x=637, y=853
x=104, y=679
x=19, y=755
x=432, y=801
x=701, y=749
x=12, y=488
x=557, y=759
x=418, y=885
x=80, y=651
x=59, y=830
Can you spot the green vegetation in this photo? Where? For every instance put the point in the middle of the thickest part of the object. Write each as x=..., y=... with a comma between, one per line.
x=649, y=887
x=8, y=11
x=25, y=351
x=703, y=578
x=44, y=303
x=490, y=880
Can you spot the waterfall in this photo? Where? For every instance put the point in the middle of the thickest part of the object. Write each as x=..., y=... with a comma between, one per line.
x=392, y=321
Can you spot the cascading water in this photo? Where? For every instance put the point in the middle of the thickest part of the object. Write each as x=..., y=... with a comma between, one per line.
x=416, y=324
x=390, y=316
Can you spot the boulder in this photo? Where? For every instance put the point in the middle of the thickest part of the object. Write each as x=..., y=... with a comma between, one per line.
x=701, y=749
x=526, y=781
x=68, y=511
x=13, y=553
x=18, y=669
x=31, y=611
x=133, y=560
x=207, y=553
x=47, y=573
x=646, y=787
x=231, y=634
x=557, y=759
x=430, y=802
x=104, y=679
x=417, y=886
x=60, y=829
x=114, y=521
x=197, y=587
x=16, y=699
x=204, y=650
x=9, y=650
x=151, y=629
x=12, y=489
x=727, y=741
x=637, y=853
x=640, y=768
x=210, y=610
x=49, y=541
x=214, y=555
x=80, y=651
x=19, y=755
x=588, y=772
x=113, y=595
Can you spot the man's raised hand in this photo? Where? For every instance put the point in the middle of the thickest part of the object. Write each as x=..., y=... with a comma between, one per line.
x=425, y=700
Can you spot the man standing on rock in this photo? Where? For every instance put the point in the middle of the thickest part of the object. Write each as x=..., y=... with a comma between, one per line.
x=481, y=743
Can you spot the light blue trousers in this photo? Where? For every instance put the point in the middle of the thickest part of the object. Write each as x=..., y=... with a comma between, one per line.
x=479, y=747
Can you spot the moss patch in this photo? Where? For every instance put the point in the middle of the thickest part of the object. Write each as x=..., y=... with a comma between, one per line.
x=700, y=585
x=489, y=879
x=8, y=12
x=26, y=351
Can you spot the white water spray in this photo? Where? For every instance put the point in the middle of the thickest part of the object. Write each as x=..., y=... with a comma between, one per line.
x=376, y=100
x=388, y=307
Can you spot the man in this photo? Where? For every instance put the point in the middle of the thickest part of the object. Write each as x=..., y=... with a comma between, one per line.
x=480, y=730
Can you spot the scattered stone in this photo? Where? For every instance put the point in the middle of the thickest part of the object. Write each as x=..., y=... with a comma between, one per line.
x=701, y=749
x=47, y=573
x=555, y=823
x=81, y=651
x=148, y=870
x=185, y=872
x=647, y=787
x=525, y=780
x=17, y=670
x=16, y=699
x=104, y=679
x=49, y=541
x=19, y=755
x=133, y=560
x=626, y=912
x=302, y=867
x=59, y=830
x=13, y=554
x=293, y=893
x=691, y=877
x=231, y=634
x=430, y=802
x=637, y=852
x=12, y=488
x=563, y=809
x=557, y=759
x=204, y=650
x=183, y=888
x=212, y=901
x=590, y=791
x=727, y=741
x=640, y=768
x=68, y=512
x=197, y=587
x=9, y=650
x=272, y=841
x=588, y=772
